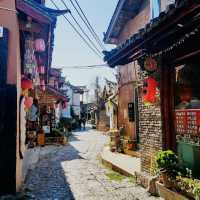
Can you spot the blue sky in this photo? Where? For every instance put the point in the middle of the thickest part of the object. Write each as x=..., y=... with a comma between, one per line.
x=69, y=49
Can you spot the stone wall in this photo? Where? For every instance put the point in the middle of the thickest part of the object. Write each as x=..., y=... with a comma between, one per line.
x=150, y=128
x=150, y=133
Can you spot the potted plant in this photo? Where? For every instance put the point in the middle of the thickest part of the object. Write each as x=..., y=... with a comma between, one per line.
x=189, y=187
x=166, y=162
x=114, y=139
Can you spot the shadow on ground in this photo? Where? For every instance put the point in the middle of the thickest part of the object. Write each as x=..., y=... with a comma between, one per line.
x=48, y=180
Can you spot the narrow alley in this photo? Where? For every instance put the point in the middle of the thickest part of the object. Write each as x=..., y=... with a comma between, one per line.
x=75, y=172
x=99, y=100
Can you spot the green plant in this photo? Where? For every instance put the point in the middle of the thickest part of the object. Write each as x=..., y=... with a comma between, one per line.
x=57, y=132
x=189, y=185
x=166, y=160
x=114, y=176
x=65, y=123
x=132, y=179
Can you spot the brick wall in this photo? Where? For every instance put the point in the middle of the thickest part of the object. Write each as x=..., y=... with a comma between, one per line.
x=150, y=129
x=150, y=133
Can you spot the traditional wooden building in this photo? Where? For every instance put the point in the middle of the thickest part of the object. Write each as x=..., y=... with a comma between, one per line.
x=164, y=54
x=22, y=22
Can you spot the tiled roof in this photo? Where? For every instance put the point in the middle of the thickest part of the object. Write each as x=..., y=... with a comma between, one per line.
x=49, y=13
x=57, y=93
x=125, y=10
x=137, y=38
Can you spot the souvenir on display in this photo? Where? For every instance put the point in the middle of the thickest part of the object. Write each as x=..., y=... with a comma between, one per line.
x=28, y=102
x=39, y=45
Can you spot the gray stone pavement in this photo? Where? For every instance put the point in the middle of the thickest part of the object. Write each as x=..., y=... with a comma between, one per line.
x=75, y=172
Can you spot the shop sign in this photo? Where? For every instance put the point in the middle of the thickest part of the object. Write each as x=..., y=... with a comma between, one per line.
x=187, y=121
x=150, y=64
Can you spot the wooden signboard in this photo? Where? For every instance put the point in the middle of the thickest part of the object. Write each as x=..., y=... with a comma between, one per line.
x=187, y=121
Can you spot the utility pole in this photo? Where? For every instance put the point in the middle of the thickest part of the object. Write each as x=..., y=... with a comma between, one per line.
x=97, y=97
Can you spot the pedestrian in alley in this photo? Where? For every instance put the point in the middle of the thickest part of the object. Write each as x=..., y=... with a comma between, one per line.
x=84, y=122
x=80, y=123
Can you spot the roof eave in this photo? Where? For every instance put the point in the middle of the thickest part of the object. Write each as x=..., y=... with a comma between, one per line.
x=108, y=39
x=38, y=12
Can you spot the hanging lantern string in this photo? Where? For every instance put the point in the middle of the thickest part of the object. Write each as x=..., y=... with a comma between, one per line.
x=178, y=43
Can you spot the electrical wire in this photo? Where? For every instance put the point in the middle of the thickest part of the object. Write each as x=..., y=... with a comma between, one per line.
x=87, y=23
x=75, y=29
x=77, y=23
x=84, y=67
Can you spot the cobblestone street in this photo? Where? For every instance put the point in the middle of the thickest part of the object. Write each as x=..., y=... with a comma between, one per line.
x=75, y=172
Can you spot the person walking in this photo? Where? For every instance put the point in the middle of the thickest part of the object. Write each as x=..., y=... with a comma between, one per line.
x=84, y=122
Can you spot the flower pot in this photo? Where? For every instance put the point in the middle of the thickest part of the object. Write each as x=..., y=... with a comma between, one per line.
x=41, y=139
x=129, y=146
x=168, y=194
x=165, y=179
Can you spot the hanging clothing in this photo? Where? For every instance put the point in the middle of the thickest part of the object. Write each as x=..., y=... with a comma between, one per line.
x=32, y=114
x=58, y=113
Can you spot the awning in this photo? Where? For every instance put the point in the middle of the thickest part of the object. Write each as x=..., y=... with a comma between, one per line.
x=56, y=93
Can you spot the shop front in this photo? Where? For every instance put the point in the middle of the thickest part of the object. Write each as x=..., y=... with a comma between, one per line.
x=187, y=114
x=167, y=55
x=26, y=43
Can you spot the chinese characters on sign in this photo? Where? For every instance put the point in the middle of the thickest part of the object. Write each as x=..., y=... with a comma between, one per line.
x=187, y=121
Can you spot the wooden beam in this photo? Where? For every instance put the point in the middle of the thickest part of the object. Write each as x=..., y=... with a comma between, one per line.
x=24, y=7
x=187, y=56
x=167, y=106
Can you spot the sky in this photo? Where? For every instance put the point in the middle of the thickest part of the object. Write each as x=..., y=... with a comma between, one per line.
x=70, y=50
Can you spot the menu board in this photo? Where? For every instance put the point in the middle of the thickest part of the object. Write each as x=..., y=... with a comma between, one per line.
x=187, y=121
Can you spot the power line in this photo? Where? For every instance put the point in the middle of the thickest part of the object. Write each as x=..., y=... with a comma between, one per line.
x=84, y=67
x=75, y=29
x=84, y=15
x=87, y=23
x=82, y=29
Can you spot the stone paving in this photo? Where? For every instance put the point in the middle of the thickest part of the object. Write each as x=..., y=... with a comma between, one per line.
x=75, y=172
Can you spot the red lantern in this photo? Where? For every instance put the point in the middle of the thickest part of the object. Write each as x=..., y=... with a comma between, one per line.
x=149, y=90
x=41, y=69
x=39, y=45
x=26, y=84
x=28, y=102
x=150, y=64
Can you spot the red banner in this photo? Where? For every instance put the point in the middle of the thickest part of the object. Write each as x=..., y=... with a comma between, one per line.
x=187, y=121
